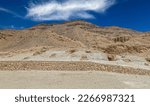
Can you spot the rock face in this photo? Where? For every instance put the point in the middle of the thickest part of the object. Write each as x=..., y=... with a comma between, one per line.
x=77, y=34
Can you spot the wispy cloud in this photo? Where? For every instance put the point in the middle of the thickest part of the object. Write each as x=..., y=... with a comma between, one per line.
x=10, y=12
x=68, y=9
x=10, y=27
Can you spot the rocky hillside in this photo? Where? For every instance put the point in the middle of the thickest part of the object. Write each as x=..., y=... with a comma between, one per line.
x=77, y=34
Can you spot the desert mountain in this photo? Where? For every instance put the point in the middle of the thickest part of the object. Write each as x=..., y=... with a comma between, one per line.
x=75, y=46
x=77, y=34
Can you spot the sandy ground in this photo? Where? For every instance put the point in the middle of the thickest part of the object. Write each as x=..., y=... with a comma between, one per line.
x=77, y=63
x=69, y=79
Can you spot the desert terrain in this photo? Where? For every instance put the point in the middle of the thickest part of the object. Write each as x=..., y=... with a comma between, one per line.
x=55, y=55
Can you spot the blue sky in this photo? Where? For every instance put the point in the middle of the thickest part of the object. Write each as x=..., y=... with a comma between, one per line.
x=18, y=14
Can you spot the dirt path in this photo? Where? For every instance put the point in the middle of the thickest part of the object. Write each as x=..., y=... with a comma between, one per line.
x=69, y=79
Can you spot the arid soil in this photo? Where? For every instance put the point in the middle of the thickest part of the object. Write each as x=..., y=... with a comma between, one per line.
x=71, y=80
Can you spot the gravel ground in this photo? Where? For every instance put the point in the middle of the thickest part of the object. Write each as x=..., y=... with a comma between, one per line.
x=70, y=66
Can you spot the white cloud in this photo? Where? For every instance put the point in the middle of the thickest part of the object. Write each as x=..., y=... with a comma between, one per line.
x=68, y=9
x=10, y=12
